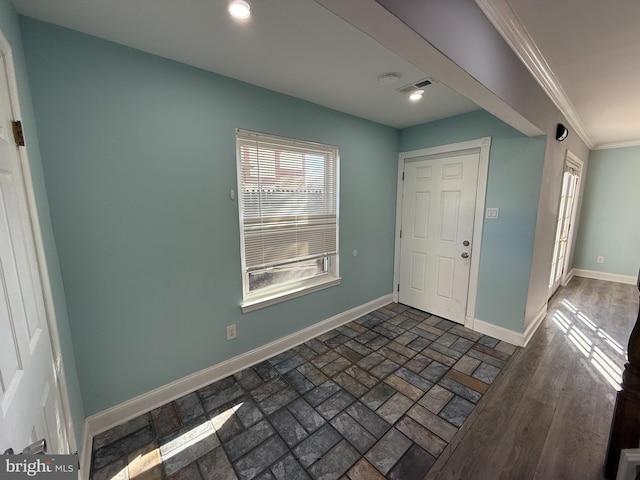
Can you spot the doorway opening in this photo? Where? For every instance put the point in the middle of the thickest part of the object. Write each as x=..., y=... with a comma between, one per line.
x=563, y=243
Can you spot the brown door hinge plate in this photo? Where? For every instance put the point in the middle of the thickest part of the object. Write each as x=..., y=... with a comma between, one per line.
x=18, y=134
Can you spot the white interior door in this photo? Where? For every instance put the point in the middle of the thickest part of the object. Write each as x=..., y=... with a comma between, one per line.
x=30, y=406
x=566, y=218
x=438, y=210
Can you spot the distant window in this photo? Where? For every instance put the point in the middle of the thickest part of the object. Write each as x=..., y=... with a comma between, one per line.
x=288, y=195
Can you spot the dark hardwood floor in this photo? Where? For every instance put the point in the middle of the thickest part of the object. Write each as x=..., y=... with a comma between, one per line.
x=548, y=416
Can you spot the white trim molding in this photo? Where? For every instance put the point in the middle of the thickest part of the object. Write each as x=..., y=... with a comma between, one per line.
x=515, y=338
x=85, y=453
x=501, y=333
x=314, y=285
x=573, y=161
x=606, y=146
x=609, y=277
x=506, y=21
x=568, y=277
x=533, y=325
x=125, y=411
x=40, y=257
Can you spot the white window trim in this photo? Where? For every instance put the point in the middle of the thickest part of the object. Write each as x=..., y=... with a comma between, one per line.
x=288, y=291
x=311, y=285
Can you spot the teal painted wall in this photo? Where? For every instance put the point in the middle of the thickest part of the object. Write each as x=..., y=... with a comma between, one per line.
x=9, y=25
x=139, y=158
x=609, y=224
x=515, y=174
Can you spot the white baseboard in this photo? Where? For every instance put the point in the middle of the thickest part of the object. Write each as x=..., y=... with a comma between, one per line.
x=469, y=321
x=125, y=411
x=567, y=278
x=533, y=325
x=515, y=338
x=609, y=277
x=85, y=453
x=501, y=333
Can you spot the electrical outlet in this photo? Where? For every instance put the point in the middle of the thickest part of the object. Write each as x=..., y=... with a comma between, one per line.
x=600, y=260
x=231, y=331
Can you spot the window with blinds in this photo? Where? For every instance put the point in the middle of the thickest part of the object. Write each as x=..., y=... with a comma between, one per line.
x=288, y=194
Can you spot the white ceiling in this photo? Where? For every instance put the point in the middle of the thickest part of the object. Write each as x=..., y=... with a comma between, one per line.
x=585, y=53
x=296, y=47
x=591, y=53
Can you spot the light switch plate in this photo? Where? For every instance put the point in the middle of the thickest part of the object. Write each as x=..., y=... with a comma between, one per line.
x=492, y=213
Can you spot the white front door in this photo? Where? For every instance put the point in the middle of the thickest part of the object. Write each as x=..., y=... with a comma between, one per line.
x=30, y=406
x=438, y=210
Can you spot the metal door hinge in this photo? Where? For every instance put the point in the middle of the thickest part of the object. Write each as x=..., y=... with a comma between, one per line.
x=36, y=448
x=18, y=133
x=403, y=176
x=398, y=287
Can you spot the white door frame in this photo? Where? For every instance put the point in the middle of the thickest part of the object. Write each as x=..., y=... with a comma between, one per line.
x=6, y=51
x=483, y=145
x=572, y=158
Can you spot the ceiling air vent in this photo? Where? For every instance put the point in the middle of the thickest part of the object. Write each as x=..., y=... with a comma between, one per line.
x=416, y=86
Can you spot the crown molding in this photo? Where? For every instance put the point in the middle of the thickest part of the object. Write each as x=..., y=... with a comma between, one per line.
x=504, y=18
x=606, y=146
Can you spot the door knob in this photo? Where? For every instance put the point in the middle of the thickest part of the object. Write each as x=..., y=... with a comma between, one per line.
x=464, y=255
x=8, y=451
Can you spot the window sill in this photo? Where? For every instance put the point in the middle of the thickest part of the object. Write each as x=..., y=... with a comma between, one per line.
x=267, y=300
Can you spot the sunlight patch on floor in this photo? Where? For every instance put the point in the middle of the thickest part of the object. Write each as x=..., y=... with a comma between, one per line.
x=146, y=460
x=605, y=354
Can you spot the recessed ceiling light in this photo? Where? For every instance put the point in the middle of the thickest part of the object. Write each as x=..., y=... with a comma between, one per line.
x=416, y=95
x=239, y=9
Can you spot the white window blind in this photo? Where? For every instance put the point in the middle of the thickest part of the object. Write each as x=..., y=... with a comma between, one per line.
x=288, y=200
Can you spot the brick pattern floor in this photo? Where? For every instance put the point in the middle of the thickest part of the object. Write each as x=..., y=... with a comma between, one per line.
x=377, y=398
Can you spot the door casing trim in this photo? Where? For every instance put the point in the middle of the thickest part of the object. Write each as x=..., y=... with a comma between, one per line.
x=26, y=178
x=572, y=159
x=483, y=145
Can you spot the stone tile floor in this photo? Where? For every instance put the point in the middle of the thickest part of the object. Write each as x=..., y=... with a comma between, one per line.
x=377, y=398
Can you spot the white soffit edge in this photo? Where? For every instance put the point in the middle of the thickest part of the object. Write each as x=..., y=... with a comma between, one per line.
x=373, y=19
x=504, y=18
